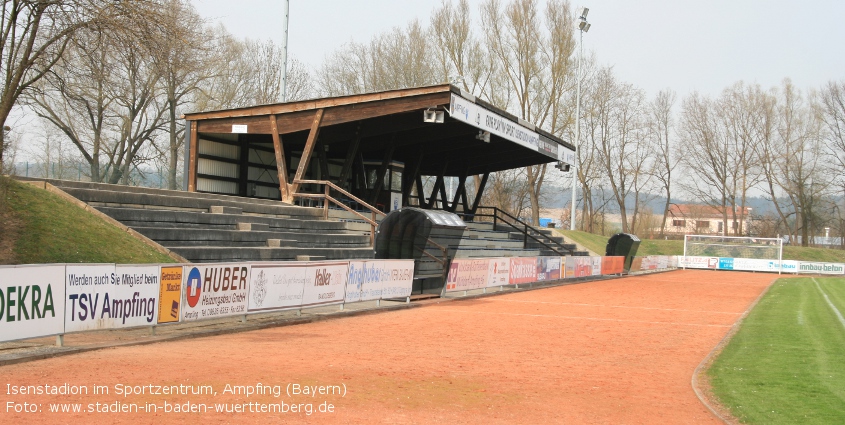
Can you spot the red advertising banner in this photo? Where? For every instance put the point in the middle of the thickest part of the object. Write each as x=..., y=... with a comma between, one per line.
x=612, y=265
x=523, y=270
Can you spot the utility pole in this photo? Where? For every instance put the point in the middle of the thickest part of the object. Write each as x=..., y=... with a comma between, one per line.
x=284, y=75
x=583, y=26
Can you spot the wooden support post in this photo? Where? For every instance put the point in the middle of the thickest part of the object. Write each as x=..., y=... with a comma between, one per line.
x=192, y=167
x=243, y=165
x=444, y=199
x=421, y=192
x=324, y=160
x=464, y=200
x=432, y=200
x=409, y=177
x=382, y=170
x=360, y=173
x=307, y=151
x=478, y=193
x=281, y=165
x=350, y=159
x=462, y=179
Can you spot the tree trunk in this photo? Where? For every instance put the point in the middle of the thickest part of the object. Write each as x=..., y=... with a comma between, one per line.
x=174, y=143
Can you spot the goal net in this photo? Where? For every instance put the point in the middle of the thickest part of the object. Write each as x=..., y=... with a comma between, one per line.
x=733, y=247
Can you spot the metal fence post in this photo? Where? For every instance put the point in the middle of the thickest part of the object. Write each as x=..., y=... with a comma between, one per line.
x=525, y=236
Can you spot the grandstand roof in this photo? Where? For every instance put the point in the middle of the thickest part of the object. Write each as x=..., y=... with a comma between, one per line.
x=393, y=120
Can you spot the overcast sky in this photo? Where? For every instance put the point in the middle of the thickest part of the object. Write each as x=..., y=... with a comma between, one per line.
x=685, y=45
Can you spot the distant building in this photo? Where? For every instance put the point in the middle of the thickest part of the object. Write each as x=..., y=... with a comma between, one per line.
x=692, y=219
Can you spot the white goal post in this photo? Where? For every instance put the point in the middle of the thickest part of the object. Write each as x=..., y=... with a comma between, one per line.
x=734, y=247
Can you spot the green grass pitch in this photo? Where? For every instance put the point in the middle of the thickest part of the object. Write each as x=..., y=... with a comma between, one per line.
x=786, y=364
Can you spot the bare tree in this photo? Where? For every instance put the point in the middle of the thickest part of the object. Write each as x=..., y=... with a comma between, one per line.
x=35, y=33
x=740, y=113
x=181, y=51
x=661, y=131
x=105, y=97
x=459, y=54
x=532, y=65
x=831, y=105
x=805, y=176
x=707, y=153
x=396, y=59
x=590, y=178
x=619, y=141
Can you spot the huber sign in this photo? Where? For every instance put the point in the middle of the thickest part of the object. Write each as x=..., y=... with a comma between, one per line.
x=215, y=290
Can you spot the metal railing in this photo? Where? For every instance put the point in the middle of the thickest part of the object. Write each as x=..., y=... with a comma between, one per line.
x=326, y=197
x=527, y=231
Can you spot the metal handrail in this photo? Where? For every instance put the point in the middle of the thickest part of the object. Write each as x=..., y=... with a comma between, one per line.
x=326, y=196
x=525, y=230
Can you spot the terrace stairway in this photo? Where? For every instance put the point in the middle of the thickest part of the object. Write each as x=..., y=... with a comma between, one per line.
x=203, y=227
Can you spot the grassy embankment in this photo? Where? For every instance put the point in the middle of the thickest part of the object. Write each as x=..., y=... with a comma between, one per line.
x=784, y=365
x=39, y=227
x=597, y=243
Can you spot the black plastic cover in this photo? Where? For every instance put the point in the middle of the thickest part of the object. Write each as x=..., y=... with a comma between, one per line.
x=624, y=245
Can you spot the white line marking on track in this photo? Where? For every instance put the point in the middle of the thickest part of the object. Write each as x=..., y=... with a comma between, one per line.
x=587, y=318
x=617, y=306
x=681, y=282
x=833, y=307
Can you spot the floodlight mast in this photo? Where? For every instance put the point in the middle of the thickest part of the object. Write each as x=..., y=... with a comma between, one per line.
x=284, y=73
x=583, y=26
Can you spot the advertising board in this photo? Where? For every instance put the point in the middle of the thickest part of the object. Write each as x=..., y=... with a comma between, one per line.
x=579, y=266
x=214, y=290
x=32, y=301
x=276, y=286
x=595, y=262
x=376, y=279
x=498, y=271
x=325, y=283
x=522, y=270
x=548, y=268
x=466, y=274
x=692, y=262
x=612, y=265
x=109, y=296
x=170, y=294
x=821, y=268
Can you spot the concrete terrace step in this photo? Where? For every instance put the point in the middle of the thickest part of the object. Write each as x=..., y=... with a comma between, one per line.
x=485, y=234
x=216, y=237
x=184, y=201
x=168, y=218
x=471, y=252
x=476, y=225
x=70, y=185
x=218, y=254
x=490, y=243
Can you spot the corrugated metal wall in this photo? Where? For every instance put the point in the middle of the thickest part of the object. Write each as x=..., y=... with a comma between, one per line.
x=219, y=168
